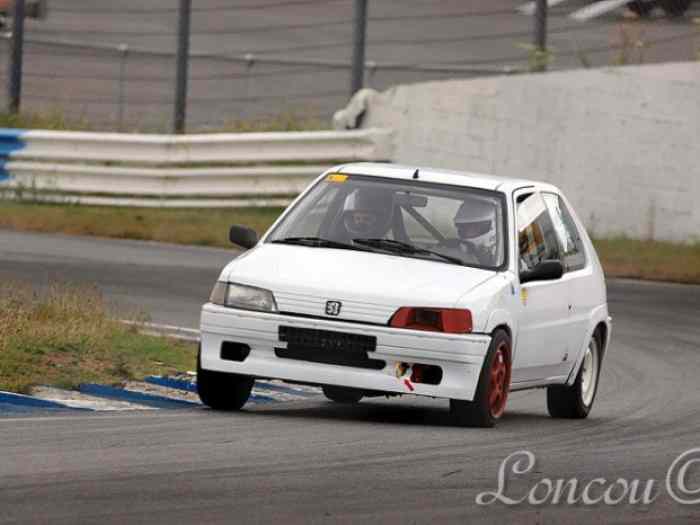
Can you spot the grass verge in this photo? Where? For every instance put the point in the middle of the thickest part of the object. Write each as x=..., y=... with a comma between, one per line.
x=63, y=336
x=51, y=120
x=207, y=227
x=57, y=120
x=652, y=260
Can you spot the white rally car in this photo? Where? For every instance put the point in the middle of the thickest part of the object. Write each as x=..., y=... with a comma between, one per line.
x=384, y=280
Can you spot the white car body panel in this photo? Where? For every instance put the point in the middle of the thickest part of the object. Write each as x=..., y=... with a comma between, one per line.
x=371, y=286
x=550, y=322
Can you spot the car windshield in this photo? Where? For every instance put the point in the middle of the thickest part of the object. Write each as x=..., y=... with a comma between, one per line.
x=408, y=218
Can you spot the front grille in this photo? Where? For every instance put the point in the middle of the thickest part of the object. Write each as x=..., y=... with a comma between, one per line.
x=328, y=347
x=326, y=340
x=315, y=306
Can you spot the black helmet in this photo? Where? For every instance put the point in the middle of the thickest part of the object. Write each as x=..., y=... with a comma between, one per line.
x=368, y=212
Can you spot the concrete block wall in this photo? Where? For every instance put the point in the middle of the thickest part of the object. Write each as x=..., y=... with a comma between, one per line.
x=623, y=143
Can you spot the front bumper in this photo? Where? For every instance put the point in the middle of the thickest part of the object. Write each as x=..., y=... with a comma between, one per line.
x=459, y=356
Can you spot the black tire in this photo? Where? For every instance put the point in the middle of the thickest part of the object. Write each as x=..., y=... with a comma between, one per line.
x=480, y=412
x=569, y=401
x=221, y=390
x=641, y=8
x=675, y=7
x=342, y=394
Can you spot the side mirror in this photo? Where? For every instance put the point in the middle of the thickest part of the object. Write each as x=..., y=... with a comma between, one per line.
x=545, y=271
x=243, y=236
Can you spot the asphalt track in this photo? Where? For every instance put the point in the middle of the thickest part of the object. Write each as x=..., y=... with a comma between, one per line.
x=314, y=462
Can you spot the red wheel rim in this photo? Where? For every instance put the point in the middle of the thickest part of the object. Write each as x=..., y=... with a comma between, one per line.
x=500, y=381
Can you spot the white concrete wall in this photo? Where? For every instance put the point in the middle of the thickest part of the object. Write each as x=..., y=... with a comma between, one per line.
x=623, y=143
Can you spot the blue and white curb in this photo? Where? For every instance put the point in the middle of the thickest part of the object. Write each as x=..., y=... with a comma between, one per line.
x=18, y=403
x=76, y=400
x=137, y=398
x=11, y=141
x=154, y=393
x=263, y=391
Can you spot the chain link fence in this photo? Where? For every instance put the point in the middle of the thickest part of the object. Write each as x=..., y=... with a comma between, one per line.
x=114, y=67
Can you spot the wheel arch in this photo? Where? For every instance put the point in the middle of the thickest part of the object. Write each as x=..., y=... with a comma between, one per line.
x=602, y=331
x=502, y=320
x=506, y=328
x=600, y=323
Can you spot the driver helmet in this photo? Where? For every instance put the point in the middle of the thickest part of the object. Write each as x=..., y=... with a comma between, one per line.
x=368, y=212
x=475, y=222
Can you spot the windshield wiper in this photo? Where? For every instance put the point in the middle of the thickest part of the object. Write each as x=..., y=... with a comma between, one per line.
x=404, y=247
x=319, y=242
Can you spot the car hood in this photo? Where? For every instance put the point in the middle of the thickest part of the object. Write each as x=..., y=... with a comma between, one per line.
x=370, y=286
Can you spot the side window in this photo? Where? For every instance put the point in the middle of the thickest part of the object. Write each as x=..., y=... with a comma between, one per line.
x=537, y=238
x=571, y=244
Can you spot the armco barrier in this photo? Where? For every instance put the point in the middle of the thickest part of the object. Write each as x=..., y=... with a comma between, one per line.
x=234, y=169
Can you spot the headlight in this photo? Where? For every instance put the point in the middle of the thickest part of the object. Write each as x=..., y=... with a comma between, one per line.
x=243, y=296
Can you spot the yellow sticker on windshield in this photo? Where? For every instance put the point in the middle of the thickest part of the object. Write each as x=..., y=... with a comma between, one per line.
x=336, y=177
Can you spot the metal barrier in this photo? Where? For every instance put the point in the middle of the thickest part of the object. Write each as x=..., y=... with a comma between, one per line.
x=240, y=169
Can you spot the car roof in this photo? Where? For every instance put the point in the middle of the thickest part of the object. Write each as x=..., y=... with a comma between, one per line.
x=456, y=178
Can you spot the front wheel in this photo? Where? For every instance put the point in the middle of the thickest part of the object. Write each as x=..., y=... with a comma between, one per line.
x=341, y=394
x=492, y=391
x=221, y=390
x=576, y=401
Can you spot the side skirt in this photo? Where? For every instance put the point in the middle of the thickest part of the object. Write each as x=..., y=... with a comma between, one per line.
x=540, y=383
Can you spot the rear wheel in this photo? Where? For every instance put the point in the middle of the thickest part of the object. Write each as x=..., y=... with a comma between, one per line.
x=221, y=390
x=489, y=402
x=675, y=7
x=341, y=394
x=576, y=401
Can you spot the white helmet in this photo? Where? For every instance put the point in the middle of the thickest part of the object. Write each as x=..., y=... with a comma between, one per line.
x=475, y=222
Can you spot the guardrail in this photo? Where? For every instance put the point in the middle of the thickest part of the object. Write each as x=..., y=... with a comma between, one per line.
x=233, y=169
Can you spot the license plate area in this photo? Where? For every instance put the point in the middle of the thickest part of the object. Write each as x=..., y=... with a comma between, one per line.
x=327, y=340
x=328, y=347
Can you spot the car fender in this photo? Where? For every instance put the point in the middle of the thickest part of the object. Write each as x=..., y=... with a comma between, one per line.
x=496, y=300
x=487, y=298
x=503, y=317
x=598, y=315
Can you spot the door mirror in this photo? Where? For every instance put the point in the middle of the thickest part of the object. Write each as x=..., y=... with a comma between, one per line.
x=243, y=236
x=547, y=270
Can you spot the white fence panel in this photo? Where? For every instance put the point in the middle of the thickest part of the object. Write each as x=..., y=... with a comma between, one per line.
x=293, y=146
x=170, y=182
x=179, y=171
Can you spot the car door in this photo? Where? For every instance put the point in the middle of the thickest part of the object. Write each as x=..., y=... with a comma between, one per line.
x=543, y=339
x=579, y=275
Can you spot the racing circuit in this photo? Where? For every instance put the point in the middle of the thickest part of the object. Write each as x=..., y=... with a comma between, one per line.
x=309, y=460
